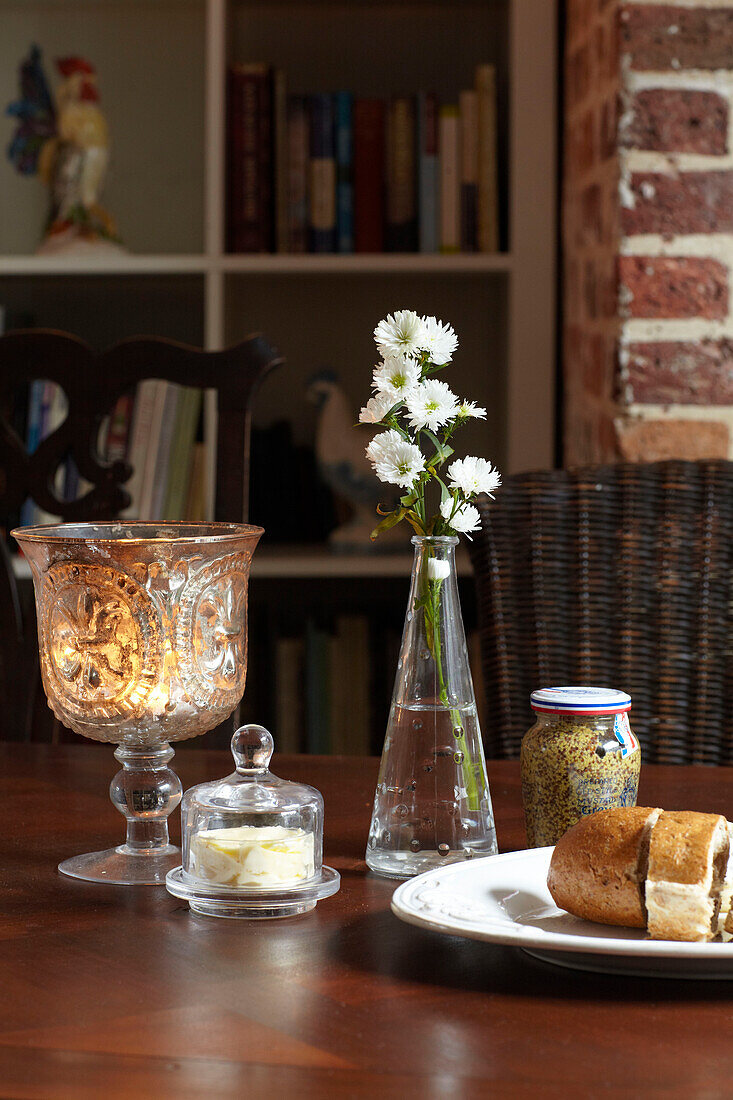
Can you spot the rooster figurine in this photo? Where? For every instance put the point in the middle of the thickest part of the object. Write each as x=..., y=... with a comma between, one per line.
x=346, y=469
x=67, y=144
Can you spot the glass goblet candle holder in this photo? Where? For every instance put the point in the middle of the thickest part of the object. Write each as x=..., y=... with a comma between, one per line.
x=142, y=635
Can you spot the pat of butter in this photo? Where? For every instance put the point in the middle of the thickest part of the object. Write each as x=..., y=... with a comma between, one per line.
x=253, y=855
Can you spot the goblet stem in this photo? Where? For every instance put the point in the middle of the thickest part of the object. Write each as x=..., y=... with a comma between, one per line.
x=145, y=791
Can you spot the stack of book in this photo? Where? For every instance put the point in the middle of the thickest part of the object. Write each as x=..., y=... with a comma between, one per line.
x=157, y=431
x=337, y=173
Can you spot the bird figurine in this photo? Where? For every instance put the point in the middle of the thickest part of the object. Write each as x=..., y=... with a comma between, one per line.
x=66, y=143
x=345, y=468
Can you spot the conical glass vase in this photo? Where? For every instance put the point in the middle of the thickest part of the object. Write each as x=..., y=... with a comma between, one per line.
x=432, y=804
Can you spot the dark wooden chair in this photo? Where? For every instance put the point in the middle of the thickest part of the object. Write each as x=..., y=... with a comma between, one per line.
x=92, y=383
x=616, y=576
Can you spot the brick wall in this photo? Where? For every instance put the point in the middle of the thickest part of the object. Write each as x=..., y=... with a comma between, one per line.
x=648, y=230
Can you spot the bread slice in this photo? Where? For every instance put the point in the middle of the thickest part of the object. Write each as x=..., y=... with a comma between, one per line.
x=598, y=868
x=688, y=858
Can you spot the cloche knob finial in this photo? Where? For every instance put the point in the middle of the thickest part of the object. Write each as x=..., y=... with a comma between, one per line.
x=252, y=748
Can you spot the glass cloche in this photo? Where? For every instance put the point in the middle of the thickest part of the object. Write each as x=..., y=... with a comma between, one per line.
x=252, y=843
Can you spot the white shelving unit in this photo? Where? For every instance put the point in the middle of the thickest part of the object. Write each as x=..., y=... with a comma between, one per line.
x=162, y=66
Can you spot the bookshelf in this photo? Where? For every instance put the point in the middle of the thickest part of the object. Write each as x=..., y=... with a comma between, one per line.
x=162, y=68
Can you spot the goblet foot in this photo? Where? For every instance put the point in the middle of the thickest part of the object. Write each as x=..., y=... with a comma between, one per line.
x=124, y=866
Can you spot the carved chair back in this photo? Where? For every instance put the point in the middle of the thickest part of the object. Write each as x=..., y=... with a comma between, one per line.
x=92, y=382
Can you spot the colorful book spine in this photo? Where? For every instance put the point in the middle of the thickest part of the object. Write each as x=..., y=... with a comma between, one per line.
x=344, y=147
x=32, y=439
x=280, y=160
x=249, y=86
x=182, y=450
x=161, y=468
x=369, y=150
x=401, y=228
x=266, y=163
x=450, y=220
x=468, y=116
x=298, y=156
x=322, y=175
x=137, y=448
x=487, y=219
x=427, y=171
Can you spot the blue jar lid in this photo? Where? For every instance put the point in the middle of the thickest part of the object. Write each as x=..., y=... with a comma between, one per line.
x=580, y=700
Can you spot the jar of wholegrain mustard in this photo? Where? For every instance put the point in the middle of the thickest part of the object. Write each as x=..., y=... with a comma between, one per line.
x=580, y=756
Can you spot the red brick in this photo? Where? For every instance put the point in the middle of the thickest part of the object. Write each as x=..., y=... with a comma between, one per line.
x=655, y=440
x=580, y=146
x=691, y=202
x=578, y=75
x=609, y=128
x=674, y=287
x=678, y=372
x=678, y=120
x=668, y=37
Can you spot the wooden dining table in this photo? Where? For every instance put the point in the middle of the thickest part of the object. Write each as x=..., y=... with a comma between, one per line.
x=122, y=992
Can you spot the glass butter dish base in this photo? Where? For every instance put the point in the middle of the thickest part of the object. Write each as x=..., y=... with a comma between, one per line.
x=252, y=842
x=268, y=902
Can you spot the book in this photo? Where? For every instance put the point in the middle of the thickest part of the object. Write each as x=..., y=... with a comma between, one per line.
x=343, y=143
x=349, y=678
x=182, y=452
x=322, y=175
x=298, y=157
x=450, y=229
x=266, y=162
x=195, y=507
x=427, y=171
x=468, y=142
x=487, y=214
x=289, y=687
x=161, y=464
x=280, y=161
x=137, y=447
x=249, y=86
x=401, y=220
x=119, y=428
x=369, y=142
x=317, y=688
x=36, y=389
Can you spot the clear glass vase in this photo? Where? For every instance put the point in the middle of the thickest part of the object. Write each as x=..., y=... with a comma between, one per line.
x=432, y=804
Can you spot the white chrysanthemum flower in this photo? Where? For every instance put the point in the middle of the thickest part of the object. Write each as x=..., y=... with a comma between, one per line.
x=396, y=377
x=431, y=404
x=437, y=570
x=439, y=340
x=470, y=408
x=376, y=409
x=465, y=518
x=401, y=333
x=395, y=459
x=474, y=475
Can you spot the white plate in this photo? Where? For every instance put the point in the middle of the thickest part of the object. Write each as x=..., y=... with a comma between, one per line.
x=504, y=899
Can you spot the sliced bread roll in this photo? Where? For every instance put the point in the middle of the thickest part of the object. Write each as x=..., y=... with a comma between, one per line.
x=599, y=866
x=688, y=858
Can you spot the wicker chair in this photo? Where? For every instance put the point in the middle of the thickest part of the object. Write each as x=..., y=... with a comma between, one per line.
x=92, y=383
x=617, y=576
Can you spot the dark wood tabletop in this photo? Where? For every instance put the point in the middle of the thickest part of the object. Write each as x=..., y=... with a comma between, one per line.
x=122, y=992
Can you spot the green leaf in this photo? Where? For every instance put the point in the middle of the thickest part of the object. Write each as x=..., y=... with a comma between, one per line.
x=390, y=520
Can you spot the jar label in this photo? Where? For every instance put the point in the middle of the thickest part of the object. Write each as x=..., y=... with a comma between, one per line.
x=605, y=793
x=624, y=736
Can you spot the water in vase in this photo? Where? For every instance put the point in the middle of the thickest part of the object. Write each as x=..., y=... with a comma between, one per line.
x=432, y=804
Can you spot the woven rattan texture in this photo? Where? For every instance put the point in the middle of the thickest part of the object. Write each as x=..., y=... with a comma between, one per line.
x=617, y=576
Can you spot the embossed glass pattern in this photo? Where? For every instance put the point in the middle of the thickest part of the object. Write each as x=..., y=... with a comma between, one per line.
x=142, y=634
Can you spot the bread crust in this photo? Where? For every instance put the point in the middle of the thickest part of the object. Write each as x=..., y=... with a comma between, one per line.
x=597, y=868
x=688, y=856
